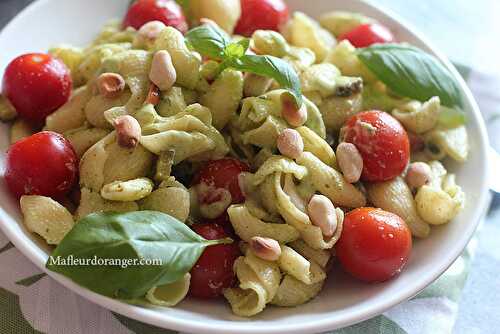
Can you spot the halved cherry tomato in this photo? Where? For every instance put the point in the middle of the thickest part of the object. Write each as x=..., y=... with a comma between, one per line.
x=261, y=14
x=42, y=164
x=214, y=270
x=382, y=142
x=368, y=34
x=223, y=174
x=166, y=11
x=374, y=245
x=37, y=84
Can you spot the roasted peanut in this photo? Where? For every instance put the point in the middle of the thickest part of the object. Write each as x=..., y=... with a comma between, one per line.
x=290, y=113
x=128, y=131
x=162, y=72
x=153, y=96
x=290, y=143
x=419, y=174
x=322, y=214
x=110, y=85
x=266, y=248
x=350, y=162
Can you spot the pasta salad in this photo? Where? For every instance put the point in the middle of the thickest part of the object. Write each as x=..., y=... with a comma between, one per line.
x=199, y=148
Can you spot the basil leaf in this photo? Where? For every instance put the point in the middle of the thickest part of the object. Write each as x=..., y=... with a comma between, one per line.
x=451, y=118
x=410, y=72
x=245, y=43
x=147, y=235
x=209, y=40
x=273, y=67
x=234, y=50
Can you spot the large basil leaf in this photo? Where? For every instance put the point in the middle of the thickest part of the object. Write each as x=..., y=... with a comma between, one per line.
x=209, y=40
x=410, y=72
x=148, y=235
x=272, y=67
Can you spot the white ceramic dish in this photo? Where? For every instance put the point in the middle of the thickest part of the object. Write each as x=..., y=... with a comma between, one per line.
x=343, y=300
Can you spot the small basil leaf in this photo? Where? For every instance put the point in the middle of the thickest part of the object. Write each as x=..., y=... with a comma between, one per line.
x=209, y=40
x=147, y=235
x=245, y=43
x=411, y=72
x=273, y=67
x=234, y=50
x=451, y=118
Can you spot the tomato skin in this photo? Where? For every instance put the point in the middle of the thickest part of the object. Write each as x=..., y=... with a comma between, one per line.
x=375, y=244
x=224, y=222
x=166, y=11
x=214, y=270
x=42, y=164
x=37, y=84
x=222, y=173
x=368, y=34
x=382, y=142
x=261, y=14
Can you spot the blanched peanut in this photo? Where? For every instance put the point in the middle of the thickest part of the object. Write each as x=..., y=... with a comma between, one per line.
x=128, y=131
x=110, y=85
x=162, y=72
x=208, y=21
x=153, y=95
x=294, y=116
x=419, y=174
x=290, y=143
x=266, y=248
x=151, y=30
x=322, y=214
x=350, y=162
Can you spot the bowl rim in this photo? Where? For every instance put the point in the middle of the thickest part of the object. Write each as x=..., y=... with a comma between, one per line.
x=148, y=315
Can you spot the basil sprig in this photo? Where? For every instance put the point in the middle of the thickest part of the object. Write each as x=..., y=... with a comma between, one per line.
x=213, y=42
x=411, y=72
x=147, y=235
x=209, y=41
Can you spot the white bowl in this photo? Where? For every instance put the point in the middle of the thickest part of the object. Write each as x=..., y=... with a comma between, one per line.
x=343, y=301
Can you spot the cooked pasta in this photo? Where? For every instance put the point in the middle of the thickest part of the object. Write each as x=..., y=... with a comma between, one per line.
x=331, y=183
x=395, y=196
x=170, y=294
x=418, y=117
x=305, y=32
x=442, y=199
x=46, y=217
x=259, y=283
x=247, y=226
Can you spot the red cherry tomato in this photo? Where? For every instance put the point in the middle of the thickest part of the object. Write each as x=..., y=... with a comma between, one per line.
x=42, y=164
x=416, y=142
x=261, y=14
x=368, y=34
x=37, y=84
x=224, y=222
x=374, y=245
x=214, y=270
x=382, y=142
x=224, y=174
x=166, y=11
